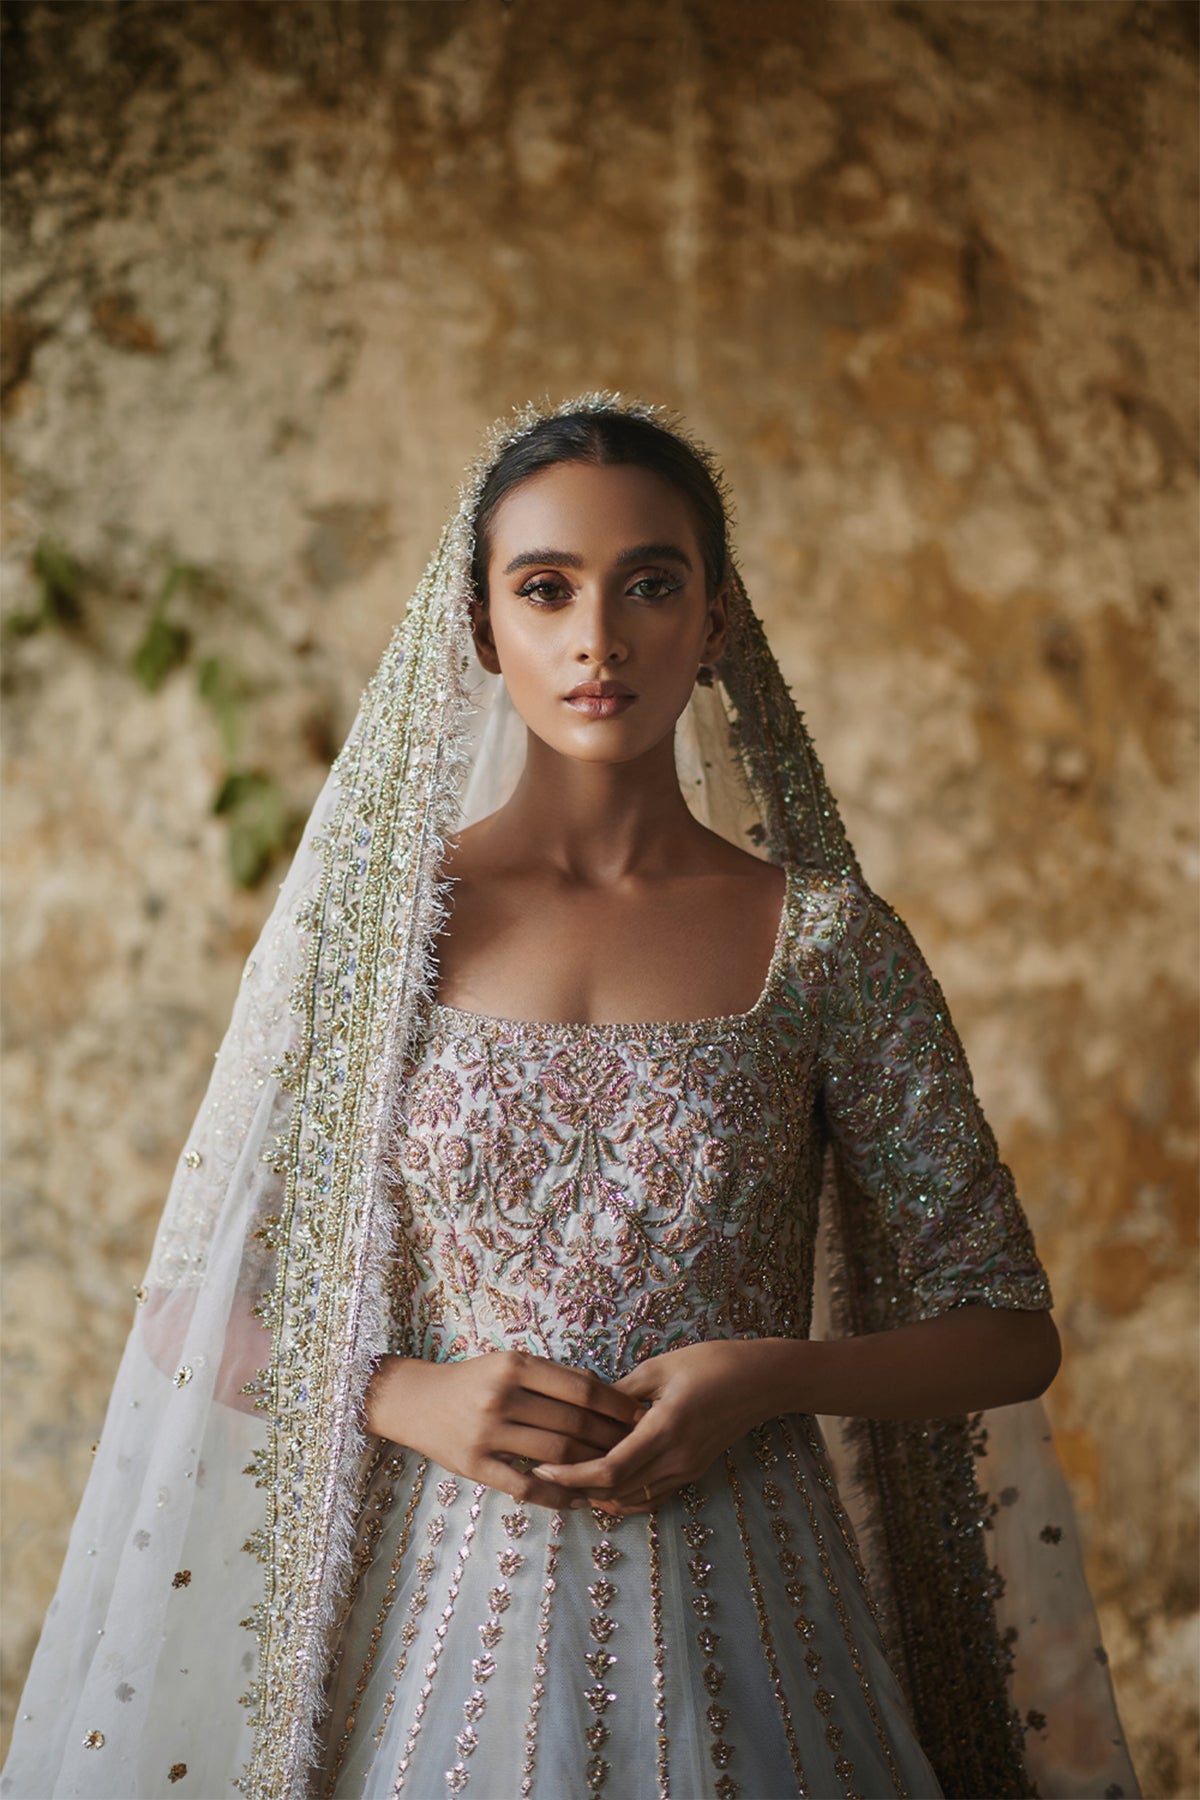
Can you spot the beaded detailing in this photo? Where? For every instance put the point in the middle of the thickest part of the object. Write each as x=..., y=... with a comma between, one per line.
x=573, y=1191
x=662, y=1741
x=441, y=1630
x=509, y=1562
x=381, y=1501
x=537, y=1692
x=696, y=1534
x=601, y=1660
x=418, y=1601
x=843, y=1765
x=781, y=1530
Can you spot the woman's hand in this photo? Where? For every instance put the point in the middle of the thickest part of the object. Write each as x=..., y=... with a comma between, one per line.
x=472, y=1416
x=704, y=1397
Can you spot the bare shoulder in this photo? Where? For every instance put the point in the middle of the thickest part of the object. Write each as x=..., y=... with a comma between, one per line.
x=688, y=938
x=729, y=859
x=471, y=855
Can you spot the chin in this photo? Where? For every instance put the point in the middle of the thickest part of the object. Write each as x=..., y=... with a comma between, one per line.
x=616, y=740
x=614, y=751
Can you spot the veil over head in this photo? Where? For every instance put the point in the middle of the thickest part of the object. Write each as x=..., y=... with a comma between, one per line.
x=213, y=1557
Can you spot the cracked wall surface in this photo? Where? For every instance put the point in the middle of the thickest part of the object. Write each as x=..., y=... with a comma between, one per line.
x=923, y=275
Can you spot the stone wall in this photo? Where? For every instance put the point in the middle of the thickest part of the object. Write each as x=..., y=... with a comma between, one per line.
x=923, y=274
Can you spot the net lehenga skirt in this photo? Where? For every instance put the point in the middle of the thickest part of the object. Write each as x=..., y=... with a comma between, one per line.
x=722, y=1645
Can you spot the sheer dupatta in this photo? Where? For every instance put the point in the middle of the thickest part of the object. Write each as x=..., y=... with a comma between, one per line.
x=171, y=1659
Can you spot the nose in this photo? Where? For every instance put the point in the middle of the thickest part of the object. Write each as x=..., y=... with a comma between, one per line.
x=600, y=639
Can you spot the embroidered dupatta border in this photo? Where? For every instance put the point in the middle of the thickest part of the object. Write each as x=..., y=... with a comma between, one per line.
x=373, y=922
x=925, y=1517
x=377, y=911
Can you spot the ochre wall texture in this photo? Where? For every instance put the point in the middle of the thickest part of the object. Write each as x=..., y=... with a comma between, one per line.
x=924, y=275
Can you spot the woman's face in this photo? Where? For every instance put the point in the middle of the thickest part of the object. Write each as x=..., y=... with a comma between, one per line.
x=595, y=577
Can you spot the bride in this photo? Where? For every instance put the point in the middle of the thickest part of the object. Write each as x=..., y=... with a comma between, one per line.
x=576, y=1076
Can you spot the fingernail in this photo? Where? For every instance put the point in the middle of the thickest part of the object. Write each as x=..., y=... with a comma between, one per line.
x=545, y=1472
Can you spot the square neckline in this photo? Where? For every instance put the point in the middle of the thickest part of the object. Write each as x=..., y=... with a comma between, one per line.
x=497, y=1026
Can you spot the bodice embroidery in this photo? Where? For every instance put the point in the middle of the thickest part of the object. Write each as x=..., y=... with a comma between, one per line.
x=600, y=1192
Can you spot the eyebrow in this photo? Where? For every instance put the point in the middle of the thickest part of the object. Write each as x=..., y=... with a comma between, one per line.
x=568, y=559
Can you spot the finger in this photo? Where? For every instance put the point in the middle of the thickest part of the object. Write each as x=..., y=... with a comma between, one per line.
x=659, y=1488
x=550, y=1448
x=527, y=1490
x=623, y=1465
x=580, y=1388
x=659, y=1481
x=578, y=1425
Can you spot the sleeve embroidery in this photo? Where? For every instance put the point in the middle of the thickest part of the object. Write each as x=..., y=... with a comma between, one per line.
x=898, y=1097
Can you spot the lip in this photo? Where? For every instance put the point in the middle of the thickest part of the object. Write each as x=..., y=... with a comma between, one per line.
x=601, y=699
x=601, y=690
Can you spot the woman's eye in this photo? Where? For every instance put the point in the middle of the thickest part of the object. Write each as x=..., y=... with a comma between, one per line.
x=659, y=581
x=534, y=588
x=545, y=591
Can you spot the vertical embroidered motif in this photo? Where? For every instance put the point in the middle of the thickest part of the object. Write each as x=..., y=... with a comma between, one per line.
x=370, y=1538
x=791, y=1565
x=696, y=1535
x=803, y=1426
x=781, y=1530
x=537, y=1692
x=601, y=1661
x=508, y=1562
x=418, y=1600
x=439, y=1634
x=843, y=1765
x=662, y=1741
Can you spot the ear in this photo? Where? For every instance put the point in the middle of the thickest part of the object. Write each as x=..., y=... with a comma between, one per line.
x=718, y=624
x=485, y=643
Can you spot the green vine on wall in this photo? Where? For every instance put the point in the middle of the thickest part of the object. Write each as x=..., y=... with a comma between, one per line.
x=259, y=821
x=59, y=582
x=254, y=806
x=163, y=645
x=251, y=801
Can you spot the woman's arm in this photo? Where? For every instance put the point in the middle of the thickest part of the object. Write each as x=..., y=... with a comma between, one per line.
x=963, y=1361
x=705, y=1396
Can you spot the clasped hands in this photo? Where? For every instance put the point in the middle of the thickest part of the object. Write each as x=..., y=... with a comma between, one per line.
x=694, y=1402
x=556, y=1436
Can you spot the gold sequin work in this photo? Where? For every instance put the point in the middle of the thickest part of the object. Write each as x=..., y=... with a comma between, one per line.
x=663, y=1741
x=782, y=1531
x=538, y=1689
x=600, y=1194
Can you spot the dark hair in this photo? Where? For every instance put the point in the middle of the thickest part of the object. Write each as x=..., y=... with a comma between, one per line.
x=606, y=438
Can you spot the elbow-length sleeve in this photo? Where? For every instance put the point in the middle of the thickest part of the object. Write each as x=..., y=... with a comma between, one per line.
x=899, y=1102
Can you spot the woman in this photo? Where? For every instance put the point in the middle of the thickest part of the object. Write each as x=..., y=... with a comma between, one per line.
x=574, y=1052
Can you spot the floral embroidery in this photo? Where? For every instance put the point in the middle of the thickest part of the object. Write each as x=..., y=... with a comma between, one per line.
x=599, y=1193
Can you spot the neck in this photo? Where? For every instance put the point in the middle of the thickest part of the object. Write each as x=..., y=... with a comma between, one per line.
x=598, y=823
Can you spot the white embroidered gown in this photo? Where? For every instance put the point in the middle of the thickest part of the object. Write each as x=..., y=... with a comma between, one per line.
x=598, y=1194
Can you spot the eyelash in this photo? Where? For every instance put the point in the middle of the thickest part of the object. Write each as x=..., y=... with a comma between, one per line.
x=530, y=589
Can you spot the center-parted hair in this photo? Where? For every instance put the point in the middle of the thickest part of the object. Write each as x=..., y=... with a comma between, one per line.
x=606, y=439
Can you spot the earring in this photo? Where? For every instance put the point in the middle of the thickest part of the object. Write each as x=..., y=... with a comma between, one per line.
x=704, y=676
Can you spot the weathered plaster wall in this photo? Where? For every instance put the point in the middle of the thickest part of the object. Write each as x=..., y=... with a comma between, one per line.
x=923, y=274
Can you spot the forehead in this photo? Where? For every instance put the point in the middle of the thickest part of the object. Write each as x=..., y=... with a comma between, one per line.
x=591, y=510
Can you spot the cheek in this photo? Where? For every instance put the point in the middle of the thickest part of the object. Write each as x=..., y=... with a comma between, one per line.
x=525, y=655
x=674, y=652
